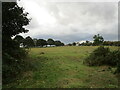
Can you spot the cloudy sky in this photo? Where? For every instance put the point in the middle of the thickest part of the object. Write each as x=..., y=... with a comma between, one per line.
x=71, y=21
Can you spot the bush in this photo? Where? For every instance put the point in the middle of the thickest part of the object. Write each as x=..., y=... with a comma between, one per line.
x=118, y=68
x=112, y=58
x=118, y=62
x=97, y=57
x=13, y=65
x=103, y=56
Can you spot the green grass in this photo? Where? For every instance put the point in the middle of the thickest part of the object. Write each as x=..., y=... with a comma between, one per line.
x=62, y=67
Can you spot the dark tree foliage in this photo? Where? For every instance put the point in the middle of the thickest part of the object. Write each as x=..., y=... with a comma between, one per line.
x=118, y=68
x=87, y=43
x=59, y=43
x=62, y=44
x=19, y=39
x=98, y=56
x=103, y=56
x=41, y=42
x=69, y=44
x=44, y=42
x=28, y=42
x=104, y=43
x=98, y=40
x=118, y=61
x=111, y=43
x=35, y=41
x=73, y=43
x=13, y=20
x=50, y=41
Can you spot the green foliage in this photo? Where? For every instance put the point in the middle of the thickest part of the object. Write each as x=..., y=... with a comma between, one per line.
x=73, y=43
x=98, y=40
x=19, y=39
x=13, y=20
x=50, y=41
x=41, y=42
x=111, y=43
x=113, y=58
x=28, y=42
x=13, y=65
x=98, y=56
x=35, y=41
x=87, y=43
x=59, y=43
x=118, y=61
x=118, y=68
x=102, y=56
x=104, y=43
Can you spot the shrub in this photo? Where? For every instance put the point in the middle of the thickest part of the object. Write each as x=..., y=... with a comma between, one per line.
x=103, y=56
x=98, y=57
x=13, y=65
x=118, y=62
x=118, y=68
x=112, y=58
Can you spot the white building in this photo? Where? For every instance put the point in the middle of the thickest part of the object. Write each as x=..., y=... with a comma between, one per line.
x=51, y=45
x=80, y=42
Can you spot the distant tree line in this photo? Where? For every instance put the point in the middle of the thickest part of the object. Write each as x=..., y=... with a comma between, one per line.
x=29, y=42
x=104, y=43
x=97, y=40
x=111, y=43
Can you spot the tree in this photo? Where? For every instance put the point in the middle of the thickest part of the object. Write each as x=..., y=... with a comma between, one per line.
x=111, y=43
x=13, y=20
x=35, y=41
x=62, y=44
x=88, y=43
x=50, y=41
x=69, y=44
x=38, y=42
x=59, y=43
x=12, y=24
x=19, y=39
x=73, y=43
x=98, y=40
x=44, y=42
x=41, y=42
x=28, y=42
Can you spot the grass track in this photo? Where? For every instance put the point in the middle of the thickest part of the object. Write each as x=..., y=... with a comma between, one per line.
x=62, y=67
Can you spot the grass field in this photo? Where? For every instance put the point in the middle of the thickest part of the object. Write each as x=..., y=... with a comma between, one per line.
x=62, y=67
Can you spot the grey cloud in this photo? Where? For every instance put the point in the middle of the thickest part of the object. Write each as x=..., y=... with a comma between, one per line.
x=33, y=24
x=77, y=21
x=75, y=11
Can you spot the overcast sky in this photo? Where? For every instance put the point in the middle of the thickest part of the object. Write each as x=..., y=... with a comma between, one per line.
x=71, y=21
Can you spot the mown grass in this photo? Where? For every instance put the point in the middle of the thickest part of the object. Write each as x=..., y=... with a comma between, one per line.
x=62, y=67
